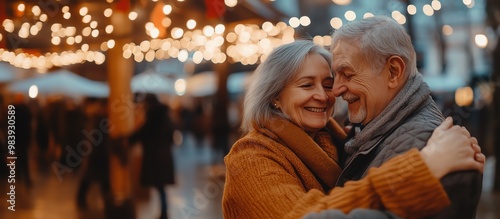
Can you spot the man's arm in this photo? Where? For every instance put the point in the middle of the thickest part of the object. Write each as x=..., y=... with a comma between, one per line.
x=463, y=187
x=464, y=190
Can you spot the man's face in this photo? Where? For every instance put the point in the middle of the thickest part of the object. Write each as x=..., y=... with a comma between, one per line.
x=363, y=87
x=308, y=99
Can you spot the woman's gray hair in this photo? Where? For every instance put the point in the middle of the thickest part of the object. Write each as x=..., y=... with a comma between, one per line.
x=271, y=77
x=378, y=38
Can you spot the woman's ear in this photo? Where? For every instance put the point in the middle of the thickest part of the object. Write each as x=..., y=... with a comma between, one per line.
x=397, y=68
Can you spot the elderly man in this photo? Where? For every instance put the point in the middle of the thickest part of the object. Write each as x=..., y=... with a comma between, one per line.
x=390, y=106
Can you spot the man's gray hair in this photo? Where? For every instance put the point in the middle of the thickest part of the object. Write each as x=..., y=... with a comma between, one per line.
x=378, y=38
x=271, y=77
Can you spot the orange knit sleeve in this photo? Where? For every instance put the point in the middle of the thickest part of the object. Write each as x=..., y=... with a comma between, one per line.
x=403, y=185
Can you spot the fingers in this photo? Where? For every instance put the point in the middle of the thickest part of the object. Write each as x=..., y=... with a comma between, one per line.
x=448, y=122
x=476, y=148
x=480, y=157
x=473, y=140
x=480, y=165
x=465, y=131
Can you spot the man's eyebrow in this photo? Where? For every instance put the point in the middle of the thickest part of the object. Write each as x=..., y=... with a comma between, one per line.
x=341, y=67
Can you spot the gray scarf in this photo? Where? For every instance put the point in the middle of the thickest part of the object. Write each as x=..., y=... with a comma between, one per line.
x=411, y=97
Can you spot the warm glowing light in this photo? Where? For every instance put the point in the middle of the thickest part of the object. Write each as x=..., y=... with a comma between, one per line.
x=481, y=40
x=412, y=9
x=109, y=29
x=132, y=15
x=166, y=22
x=36, y=10
x=87, y=18
x=65, y=9
x=368, y=14
x=43, y=17
x=350, y=15
x=183, y=55
x=305, y=21
x=154, y=33
x=83, y=11
x=85, y=47
x=167, y=9
x=220, y=28
x=8, y=25
x=180, y=87
x=111, y=43
x=70, y=40
x=399, y=17
x=436, y=5
x=428, y=10
x=294, y=22
x=56, y=40
x=342, y=2
x=33, y=91
x=67, y=15
x=336, y=22
x=21, y=7
x=447, y=30
x=95, y=33
x=177, y=32
x=93, y=24
x=208, y=31
x=231, y=3
x=86, y=31
x=191, y=24
x=108, y=12
x=267, y=26
x=464, y=96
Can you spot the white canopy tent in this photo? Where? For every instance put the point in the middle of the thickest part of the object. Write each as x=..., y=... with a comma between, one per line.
x=205, y=83
x=152, y=82
x=62, y=82
x=6, y=72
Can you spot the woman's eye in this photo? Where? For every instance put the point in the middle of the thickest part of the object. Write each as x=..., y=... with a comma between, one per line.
x=306, y=85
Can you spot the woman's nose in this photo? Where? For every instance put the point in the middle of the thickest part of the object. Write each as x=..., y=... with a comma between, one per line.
x=321, y=94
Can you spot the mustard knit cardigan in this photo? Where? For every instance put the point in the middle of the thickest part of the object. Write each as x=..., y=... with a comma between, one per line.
x=281, y=172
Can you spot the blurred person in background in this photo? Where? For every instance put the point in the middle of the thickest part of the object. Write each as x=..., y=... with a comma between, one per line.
x=156, y=136
x=97, y=166
x=72, y=123
x=287, y=164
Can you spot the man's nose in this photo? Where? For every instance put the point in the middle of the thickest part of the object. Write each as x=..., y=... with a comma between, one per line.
x=339, y=87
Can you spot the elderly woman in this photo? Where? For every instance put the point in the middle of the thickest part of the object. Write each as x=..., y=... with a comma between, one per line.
x=287, y=164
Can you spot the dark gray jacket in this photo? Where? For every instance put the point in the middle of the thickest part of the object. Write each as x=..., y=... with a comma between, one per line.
x=354, y=214
x=406, y=123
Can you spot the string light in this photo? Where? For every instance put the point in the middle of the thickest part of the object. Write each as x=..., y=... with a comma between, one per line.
x=247, y=43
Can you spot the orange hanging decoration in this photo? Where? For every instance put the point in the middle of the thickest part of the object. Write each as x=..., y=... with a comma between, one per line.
x=3, y=16
x=215, y=9
x=123, y=6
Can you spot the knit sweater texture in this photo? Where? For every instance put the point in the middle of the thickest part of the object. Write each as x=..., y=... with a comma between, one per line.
x=281, y=172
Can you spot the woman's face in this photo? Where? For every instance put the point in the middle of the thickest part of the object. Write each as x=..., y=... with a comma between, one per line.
x=308, y=100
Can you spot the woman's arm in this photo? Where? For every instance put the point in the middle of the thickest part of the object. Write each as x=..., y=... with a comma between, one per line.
x=260, y=186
